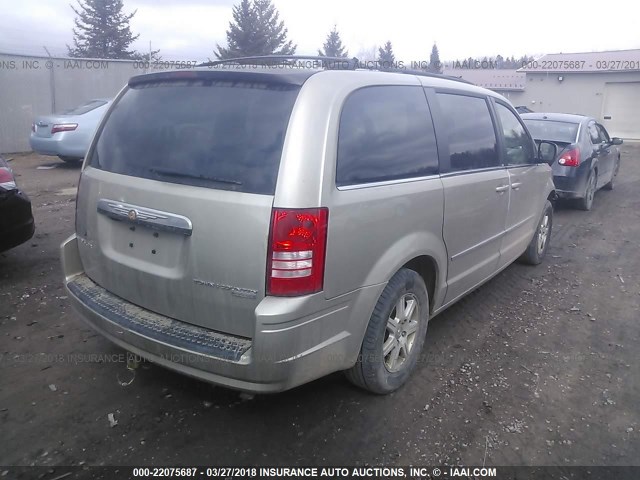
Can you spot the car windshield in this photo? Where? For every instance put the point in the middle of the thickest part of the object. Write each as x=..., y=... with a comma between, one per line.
x=552, y=130
x=86, y=108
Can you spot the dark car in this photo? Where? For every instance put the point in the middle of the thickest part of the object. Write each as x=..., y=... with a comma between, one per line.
x=16, y=220
x=588, y=158
x=523, y=109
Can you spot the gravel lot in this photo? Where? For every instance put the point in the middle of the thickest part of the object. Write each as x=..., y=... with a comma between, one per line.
x=537, y=367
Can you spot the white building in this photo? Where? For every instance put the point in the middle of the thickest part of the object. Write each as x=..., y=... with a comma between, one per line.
x=603, y=85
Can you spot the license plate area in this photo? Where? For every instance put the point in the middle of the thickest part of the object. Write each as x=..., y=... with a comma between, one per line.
x=147, y=240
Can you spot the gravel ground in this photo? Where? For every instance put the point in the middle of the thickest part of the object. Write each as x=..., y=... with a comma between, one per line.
x=537, y=367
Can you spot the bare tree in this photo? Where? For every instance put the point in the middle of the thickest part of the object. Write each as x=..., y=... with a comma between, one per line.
x=367, y=54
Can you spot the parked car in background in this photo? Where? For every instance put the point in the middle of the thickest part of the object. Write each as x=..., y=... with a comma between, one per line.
x=261, y=228
x=523, y=109
x=16, y=219
x=588, y=158
x=68, y=134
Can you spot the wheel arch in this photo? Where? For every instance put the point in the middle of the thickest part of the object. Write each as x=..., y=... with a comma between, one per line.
x=427, y=267
x=423, y=252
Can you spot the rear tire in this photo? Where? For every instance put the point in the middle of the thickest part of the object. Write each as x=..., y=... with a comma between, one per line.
x=586, y=203
x=616, y=168
x=537, y=249
x=395, y=335
x=71, y=160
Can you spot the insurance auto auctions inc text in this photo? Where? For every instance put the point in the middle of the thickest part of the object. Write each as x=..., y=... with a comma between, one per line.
x=376, y=472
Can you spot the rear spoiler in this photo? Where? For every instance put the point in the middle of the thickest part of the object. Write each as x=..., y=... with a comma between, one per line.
x=249, y=75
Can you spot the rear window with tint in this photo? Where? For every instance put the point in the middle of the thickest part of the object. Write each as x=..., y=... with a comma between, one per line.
x=86, y=108
x=552, y=131
x=386, y=133
x=472, y=139
x=208, y=133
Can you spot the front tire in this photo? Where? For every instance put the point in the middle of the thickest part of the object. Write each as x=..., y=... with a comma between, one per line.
x=395, y=335
x=537, y=249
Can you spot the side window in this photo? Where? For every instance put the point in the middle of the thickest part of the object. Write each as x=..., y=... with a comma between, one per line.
x=594, y=133
x=472, y=139
x=604, y=136
x=518, y=145
x=386, y=133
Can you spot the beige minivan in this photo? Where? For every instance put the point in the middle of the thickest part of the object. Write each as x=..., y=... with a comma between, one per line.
x=261, y=227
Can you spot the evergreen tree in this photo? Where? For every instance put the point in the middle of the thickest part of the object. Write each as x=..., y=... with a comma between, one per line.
x=435, y=65
x=386, y=58
x=256, y=29
x=102, y=30
x=333, y=46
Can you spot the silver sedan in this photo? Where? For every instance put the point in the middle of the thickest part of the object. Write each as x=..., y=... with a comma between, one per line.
x=69, y=133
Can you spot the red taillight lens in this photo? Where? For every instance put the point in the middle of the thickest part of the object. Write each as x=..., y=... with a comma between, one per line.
x=63, y=127
x=6, y=179
x=297, y=251
x=570, y=158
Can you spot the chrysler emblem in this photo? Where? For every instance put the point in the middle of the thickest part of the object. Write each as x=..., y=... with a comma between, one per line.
x=133, y=215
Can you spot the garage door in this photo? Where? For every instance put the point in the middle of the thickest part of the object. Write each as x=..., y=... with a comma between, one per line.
x=621, y=109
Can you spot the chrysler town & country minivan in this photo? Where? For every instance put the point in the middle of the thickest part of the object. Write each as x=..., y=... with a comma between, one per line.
x=259, y=228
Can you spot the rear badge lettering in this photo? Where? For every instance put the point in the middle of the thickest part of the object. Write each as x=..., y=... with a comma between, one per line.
x=235, y=291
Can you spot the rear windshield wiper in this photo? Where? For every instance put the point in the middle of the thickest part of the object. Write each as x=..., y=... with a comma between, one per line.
x=175, y=173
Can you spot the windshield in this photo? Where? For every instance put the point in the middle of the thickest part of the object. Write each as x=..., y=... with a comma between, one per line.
x=218, y=134
x=553, y=131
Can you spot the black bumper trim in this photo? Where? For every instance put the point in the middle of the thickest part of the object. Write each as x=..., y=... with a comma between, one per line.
x=157, y=327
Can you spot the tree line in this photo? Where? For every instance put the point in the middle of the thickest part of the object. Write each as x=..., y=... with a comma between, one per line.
x=497, y=62
x=102, y=30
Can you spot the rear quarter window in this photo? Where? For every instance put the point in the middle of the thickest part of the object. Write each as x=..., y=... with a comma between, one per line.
x=386, y=133
x=207, y=133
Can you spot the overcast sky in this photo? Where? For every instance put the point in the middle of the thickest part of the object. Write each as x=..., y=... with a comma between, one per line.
x=190, y=29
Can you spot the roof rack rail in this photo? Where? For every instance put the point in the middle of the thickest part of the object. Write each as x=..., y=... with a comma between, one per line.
x=332, y=63
x=422, y=73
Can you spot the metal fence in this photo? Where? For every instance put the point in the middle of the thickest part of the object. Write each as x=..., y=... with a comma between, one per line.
x=32, y=85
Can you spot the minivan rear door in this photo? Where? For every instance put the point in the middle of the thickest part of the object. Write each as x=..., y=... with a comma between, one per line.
x=476, y=190
x=174, y=205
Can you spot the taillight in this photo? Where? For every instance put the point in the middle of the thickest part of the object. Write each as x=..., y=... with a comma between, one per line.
x=297, y=251
x=63, y=127
x=570, y=158
x=6, y=179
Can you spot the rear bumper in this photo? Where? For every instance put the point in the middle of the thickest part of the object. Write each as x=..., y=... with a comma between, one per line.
x=291, y=345
x=570, y=186
x=60, y=145
x=16, y=220
x=564, y=194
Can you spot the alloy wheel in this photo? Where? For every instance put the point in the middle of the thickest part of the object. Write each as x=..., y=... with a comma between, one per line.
x=400, y=334
x=543, y=233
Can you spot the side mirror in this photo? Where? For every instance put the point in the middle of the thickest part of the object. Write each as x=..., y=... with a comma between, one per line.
x=616, y=141
x=547, y=152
